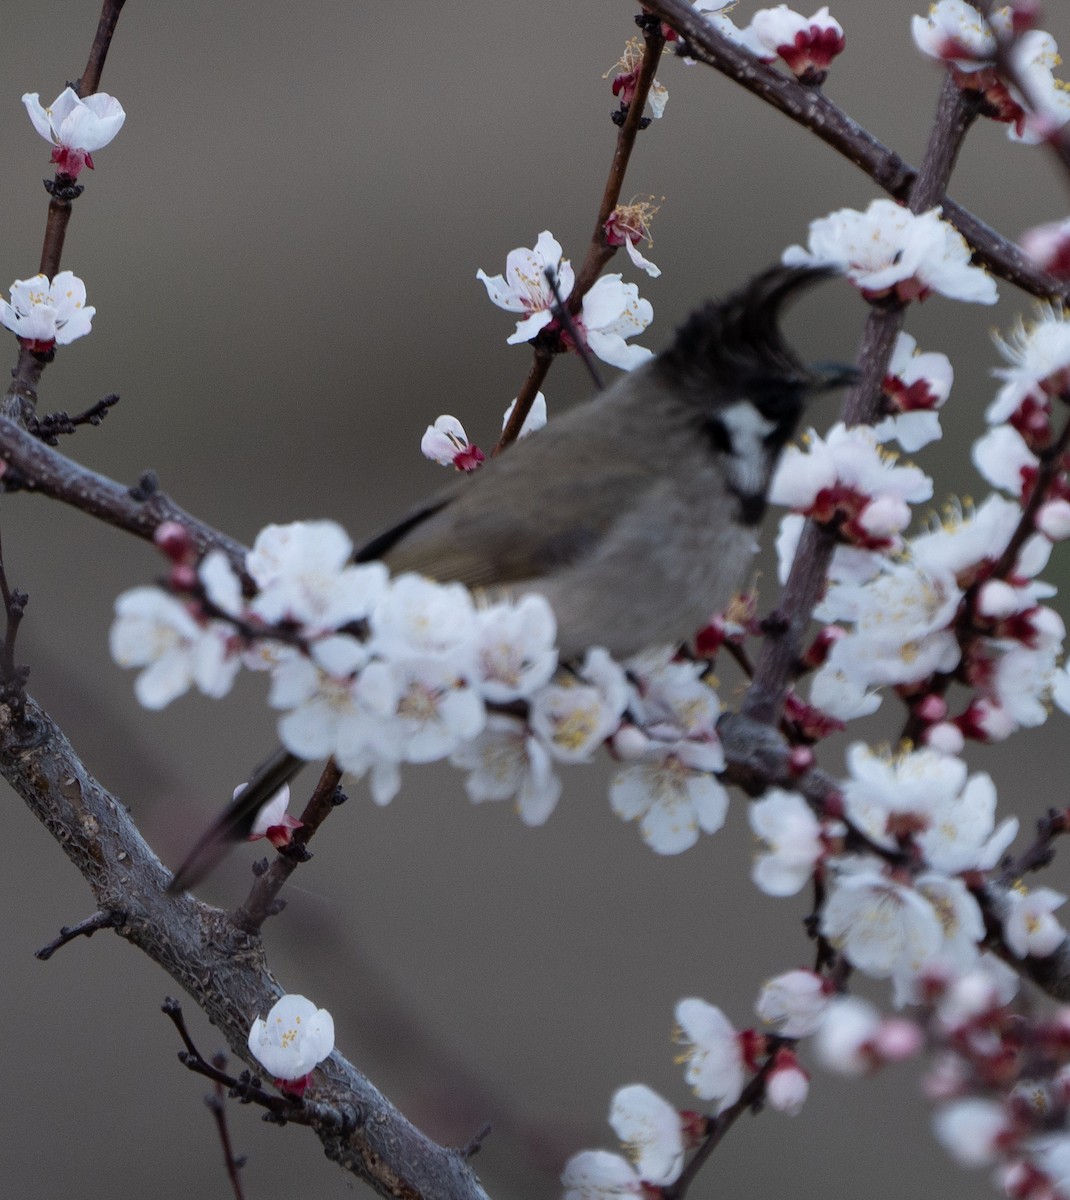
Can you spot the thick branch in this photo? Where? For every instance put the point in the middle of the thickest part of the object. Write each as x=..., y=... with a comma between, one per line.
x=221, y=967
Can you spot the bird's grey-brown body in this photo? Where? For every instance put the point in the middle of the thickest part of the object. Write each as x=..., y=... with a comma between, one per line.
x=609, y=513
x=634, y=515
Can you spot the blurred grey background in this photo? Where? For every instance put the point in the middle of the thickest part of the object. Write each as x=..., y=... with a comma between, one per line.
x=282, y=246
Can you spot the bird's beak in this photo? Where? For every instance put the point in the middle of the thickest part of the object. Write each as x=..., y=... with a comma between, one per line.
x=827, y=377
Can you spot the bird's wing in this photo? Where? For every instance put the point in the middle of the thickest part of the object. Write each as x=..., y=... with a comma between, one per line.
x=479, y=536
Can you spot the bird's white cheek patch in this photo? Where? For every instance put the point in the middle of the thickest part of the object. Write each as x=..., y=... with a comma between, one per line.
x=748, y=464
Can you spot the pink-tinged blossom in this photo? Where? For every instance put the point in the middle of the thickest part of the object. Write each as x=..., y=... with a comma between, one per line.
x=304, y=574
x=535, y=419
x=629, y=226
x=1029, y=928
x=915, y=386
x=955, y=32
x=1004, y=460
x=787, y=1084
x=713, y=1051
x=847, y=478
x=889, y=250
x=793, y=837
x=880, y=925
x=794, y=1003
x=651, y=1132
x=44, y=313
x=674, y=797
x=574, y=713
x=524, y=287
x=506, y=763
x=1049, y=247
x=806, y=44
x=156, y=632
x=515, y=648
x=600, y=1175
x=446, y=443
x=273, y=821
x=973, y=1131
x=291, y=1040
x=1045, y=106
x=1038, y=356
x=613, y=311
x=75, y=127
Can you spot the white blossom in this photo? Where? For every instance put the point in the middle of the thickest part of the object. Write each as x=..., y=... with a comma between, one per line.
x=304, y=576
x=791, y=831
x=515, y=648
x=673, y=797
x=714, y=1057
x=74, y=126
x=416, y=616
x=45, y=312
x=613, y=311
x=889, y=249
x=293, y=1038
x=651, y=1131
x=954, y=31
x=846, y=1039
x=574, y=713
x=806, y=44
x=524, y=288
x=446, y=443
x=599, y=1175
x=505, y=763
x=971, y=1130
x=794, y=1003
x=156, y=632
x=1029, y=928
x=535, y=419
x=880, y=925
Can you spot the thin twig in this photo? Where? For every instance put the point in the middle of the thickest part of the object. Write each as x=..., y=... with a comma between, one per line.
x=103, y=919
x=262, y=900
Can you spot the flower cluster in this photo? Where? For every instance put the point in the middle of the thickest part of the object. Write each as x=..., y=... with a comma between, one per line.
x=957, y=33
x=611, y=312
x=377, y=672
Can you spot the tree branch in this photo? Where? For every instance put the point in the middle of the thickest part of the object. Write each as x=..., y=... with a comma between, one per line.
x=221, y=967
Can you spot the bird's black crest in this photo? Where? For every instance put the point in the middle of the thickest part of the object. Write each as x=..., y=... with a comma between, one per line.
x=735, y=345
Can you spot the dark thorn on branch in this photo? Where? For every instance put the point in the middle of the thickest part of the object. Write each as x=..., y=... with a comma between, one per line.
x=338, y=796
x=259, y=867
x=50, y=427
x=147, y=486
x=475, y=1144
x=86, y=928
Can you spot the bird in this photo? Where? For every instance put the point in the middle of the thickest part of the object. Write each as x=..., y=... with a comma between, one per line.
x=634, y=514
